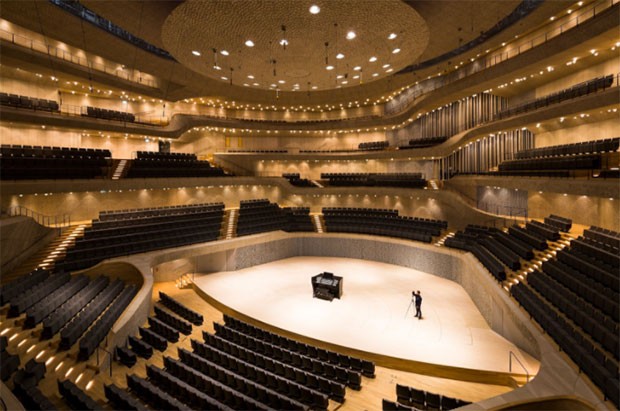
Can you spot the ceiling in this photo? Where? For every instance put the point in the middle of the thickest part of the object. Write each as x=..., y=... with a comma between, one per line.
x=425, y=29
x=291, y=47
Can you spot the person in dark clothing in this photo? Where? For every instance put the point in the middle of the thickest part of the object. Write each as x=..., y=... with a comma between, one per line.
x=418, y=305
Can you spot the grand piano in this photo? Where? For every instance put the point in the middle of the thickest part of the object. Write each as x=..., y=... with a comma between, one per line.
x=326, y=286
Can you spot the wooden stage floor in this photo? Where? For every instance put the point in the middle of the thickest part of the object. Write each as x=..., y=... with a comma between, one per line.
x=373, y=315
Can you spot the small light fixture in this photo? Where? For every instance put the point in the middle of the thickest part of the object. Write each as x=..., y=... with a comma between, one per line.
x=249, y=43
x=357, y=68
x=395, y=51
x=195, y=52
x=224, y=53
x=284, y=42
x=314, y=9
x=392, y=36
x=351, y=35
x=372, y=59
x=329, y=68
x=339, y=56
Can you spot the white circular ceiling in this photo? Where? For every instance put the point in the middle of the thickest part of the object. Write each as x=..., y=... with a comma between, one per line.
x=280, y=44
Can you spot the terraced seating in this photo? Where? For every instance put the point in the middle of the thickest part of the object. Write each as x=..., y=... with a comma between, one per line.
x=105, y=114
x=129, y=232
x=161, y=165
x=76, y=398
x=13, y=289
x=366, y=368
x=297, y=219
x=369, y=221
x=296, y=180
x=426, y=400
x=424, y=142
x=374, y=145
x=26, y=102
x=585, y=147
x=179, y=324
x=178, y=308
x=258, y=216
x=121, y=399
x=408, y=180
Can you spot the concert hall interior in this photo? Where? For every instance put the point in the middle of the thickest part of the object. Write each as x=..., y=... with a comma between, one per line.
x=212, y=204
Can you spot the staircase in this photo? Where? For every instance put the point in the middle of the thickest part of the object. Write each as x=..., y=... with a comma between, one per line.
x=528, y=266
x=119, y=170
x=441, y=240
x=433, y=184
x=47, y=257
x=316, y=183
x=184, y=281
x=319, y=227
x=230, y=224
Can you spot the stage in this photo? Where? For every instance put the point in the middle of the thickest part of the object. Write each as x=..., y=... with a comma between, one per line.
x=370, y=316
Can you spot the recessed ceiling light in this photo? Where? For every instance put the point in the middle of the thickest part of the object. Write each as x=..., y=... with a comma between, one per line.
x=314, y=87
x=224, y=52
x=248, y=43
x=273, y=85
x=339, y=56
x=339, y=76
x=357, y=68
x=356, y=76
x=314, y=9
x=389, y=70
x=386, y=65
x=196, y=53
x=246, y=84
x=217, y=67
x=224, y=78
x=284, y=42
x=251, y=77
x=351, y=35
x=372, y=59
x=375, y=74
x=392, y=36
x=281, y=81
x=256, y=84
x=395, y=51
x=329, y=68
x=345, y=82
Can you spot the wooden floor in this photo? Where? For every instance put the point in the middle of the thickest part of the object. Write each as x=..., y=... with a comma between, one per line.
x=62, y=365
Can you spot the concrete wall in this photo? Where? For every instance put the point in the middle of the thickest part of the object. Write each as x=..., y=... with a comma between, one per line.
x=21, y=237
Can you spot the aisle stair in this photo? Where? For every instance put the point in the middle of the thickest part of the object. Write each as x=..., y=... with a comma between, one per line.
x=46, y=257
x=230, y=223
x=319, y=225
x=120, y=170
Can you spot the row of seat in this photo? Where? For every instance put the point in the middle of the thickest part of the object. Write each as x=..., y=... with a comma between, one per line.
x=577, y=309
x=165, y=156
x=297, y=219
x=608, y=237
x=561, y=223
x=367, y=368
x=178, y=308
x=159, y=327
x=212, y=387
x=585, y=147
x=29, y=297
x=8, y=150
x=426, y=400
x=121, y=399
x=92, y=339
x=374, y=145
x=105, y=114
x=297, y=181
x=578, y=162
x=179, y=324
x=265, y=372
x=41, y=310
x=76, y=398
x=262, y=392
x=153, y=339
x=318, y=375
x=140, y=347
x=79, y=324
x=153, y=396
x=28, y=168
x=163, y=168
x=576, y=346
x=9, y=363
x=157, y=211
x=259, y=216
x=424, y=142
x=16, y=287
x=409, y=180
x=15, y=100
x=596, y=249
x=578, y=90
x=486, y=257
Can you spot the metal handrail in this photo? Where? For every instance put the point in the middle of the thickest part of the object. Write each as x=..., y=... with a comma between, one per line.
x=57, y=221
x=512, y=354
x=485, y=62
x=134, y=76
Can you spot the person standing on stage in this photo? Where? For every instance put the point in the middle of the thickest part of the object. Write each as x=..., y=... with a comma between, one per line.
x=418, y=305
